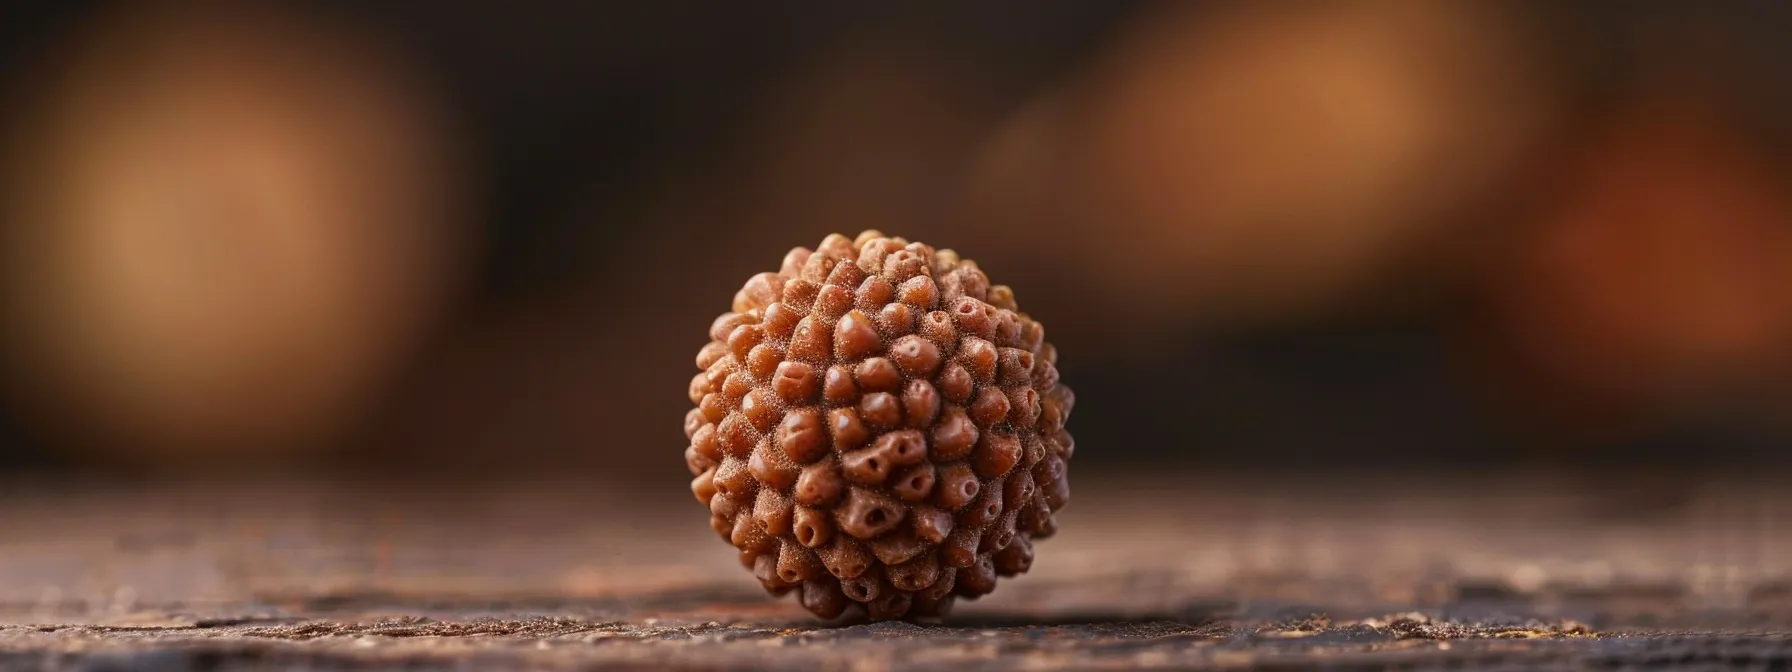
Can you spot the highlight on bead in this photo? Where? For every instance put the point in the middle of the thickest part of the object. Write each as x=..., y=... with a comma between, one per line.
x=878, y=429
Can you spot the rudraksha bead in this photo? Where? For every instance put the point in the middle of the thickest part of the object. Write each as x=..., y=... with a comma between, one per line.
x=879, y=428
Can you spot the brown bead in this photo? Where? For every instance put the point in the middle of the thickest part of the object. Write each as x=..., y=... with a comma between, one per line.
x=919, y=292
x=996, y=454
x=1034, y=515
x=977, y=580
x=733, y=479
x=937, y=326
x=727, y=506
x=876, y=423
x=956, y=486
x=765, y=568
x=838, y=387
x=704, y=486
x=1017, y=558
x=917, y=356
x=969, y=316
x=714, y=407
x=725, y=323
x=1066, y=399
x=772, y=510
x=693, y=421
x=797, y=564
x=722, y=526
x=897, y=547
x=1045, y=375
x=822, y=597
x=718, y=372
x=866, y=514
x=856, y=336
x=1000, y=533
x=915, y=574
x=874, y=293
x=862, y=588
x=960, y=549
x=979, y=359
x=896, y=319
x=954, y=383
x=1023, y=407
x=747, y=557
x=1032, y=336
x=818, y=266
x=799, y=295
x=903, y=265
x=699, y=387
x=920, y=404
x=914, y=484
x=802, y=436
x=974, y=283
x=904, y=447
x=936, y=600
x=793, y=262
x=1032, y=448
x=736, y=385
x=866, y=466
x=711, y=353
x=810, y=527
x=1015, y=366
x=1001, y=296
x=746, y=535
x=743, y=338
x=831, y=302
x=1049, y=477
x=877, y=374
x=1051, y=416
x=761, y=410
x=846, y=275
x=795, y=382
x=1047, y=528
x=954, y=435
x=1062, y=444
x=779, y=322
x=769, y=466
x=704, y=441
x=837, y=246
x=1008, y=330
x=696, y=462
x=811, y=342
x=990, y=407
x=762, y=360
x=1017, y=492
x=735, y=435
x=950, y=283
x=820, y=484
x=849, y=432
x=871, y=251
x=845, y=558
x=880, y=410
x=760, y=291
x=984, y=511
x=931, y=524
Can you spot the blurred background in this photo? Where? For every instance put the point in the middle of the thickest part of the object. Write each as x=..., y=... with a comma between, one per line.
x=453, y=239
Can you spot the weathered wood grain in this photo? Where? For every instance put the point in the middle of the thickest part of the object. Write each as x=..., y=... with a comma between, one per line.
x=1147, y=573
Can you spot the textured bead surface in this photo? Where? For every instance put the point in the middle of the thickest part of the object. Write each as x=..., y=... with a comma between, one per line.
x=877, y=428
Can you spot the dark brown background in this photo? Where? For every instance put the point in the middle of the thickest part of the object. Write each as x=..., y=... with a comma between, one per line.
x=617, y=169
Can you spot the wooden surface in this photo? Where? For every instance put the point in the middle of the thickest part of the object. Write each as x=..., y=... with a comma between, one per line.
x=1146, y=573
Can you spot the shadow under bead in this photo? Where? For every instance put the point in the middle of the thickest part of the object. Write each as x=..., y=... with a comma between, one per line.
x=877, y=427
